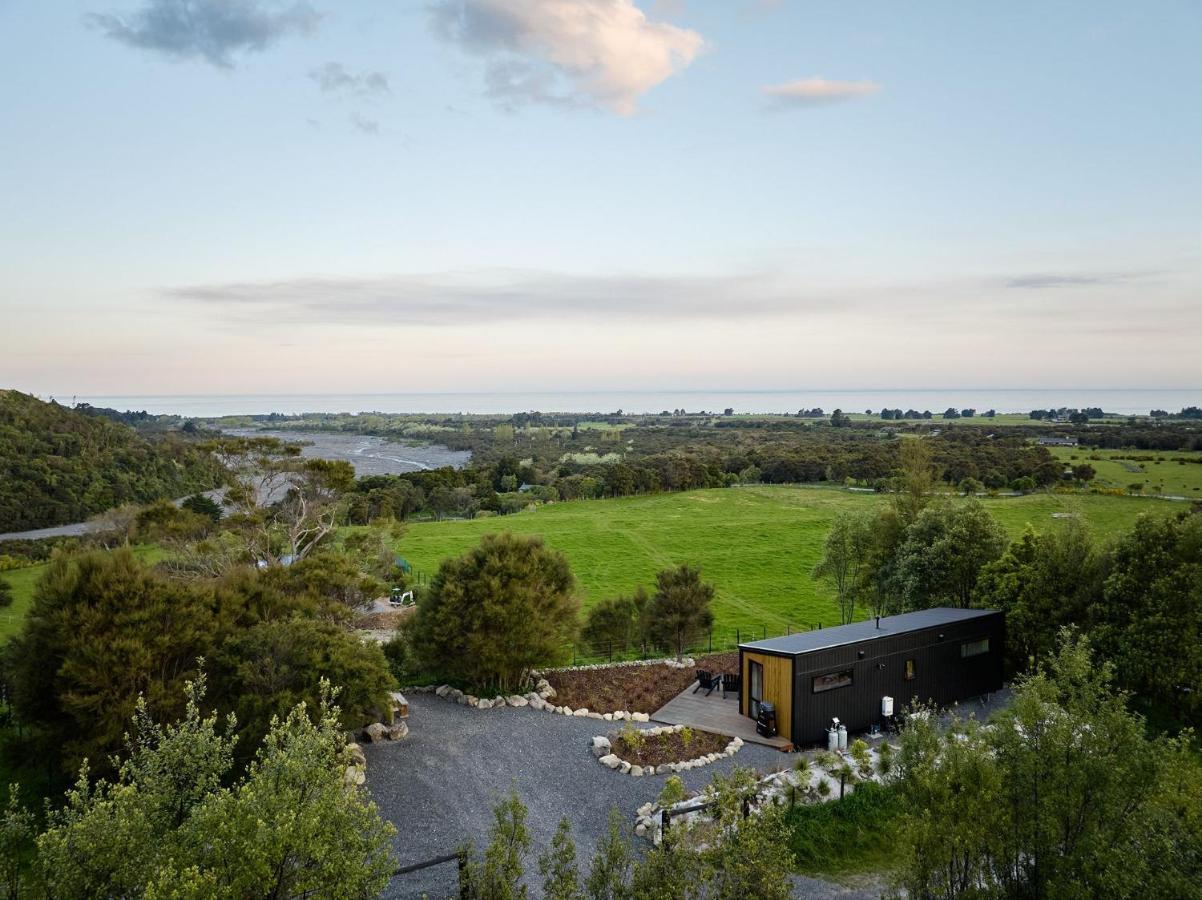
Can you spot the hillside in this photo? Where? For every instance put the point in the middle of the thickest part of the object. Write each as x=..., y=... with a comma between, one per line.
x=59, y=466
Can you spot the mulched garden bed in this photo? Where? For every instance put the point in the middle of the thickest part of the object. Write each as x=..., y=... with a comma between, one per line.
x=639, y=749
x=631, y=688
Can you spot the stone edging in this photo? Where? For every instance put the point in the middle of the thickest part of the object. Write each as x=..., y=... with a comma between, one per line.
x=670, y=661
x=602, y=750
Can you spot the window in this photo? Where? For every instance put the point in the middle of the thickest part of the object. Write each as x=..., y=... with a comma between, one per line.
x=832, y=680
x=974, y=648
x=909, y=675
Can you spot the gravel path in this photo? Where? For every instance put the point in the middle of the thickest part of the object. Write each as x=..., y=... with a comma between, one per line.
x=439, y=784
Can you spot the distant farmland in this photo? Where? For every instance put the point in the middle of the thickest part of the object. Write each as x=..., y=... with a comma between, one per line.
x=756, y=544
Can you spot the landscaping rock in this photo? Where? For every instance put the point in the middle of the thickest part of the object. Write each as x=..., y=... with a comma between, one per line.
x=610, y=761
x=483, y=704
x=581, y=712
x=398, y=731
x=601, y=746
x=517, y=702
x=640, y=717
x=374, y=733
x=354, y=776
x=636, y=771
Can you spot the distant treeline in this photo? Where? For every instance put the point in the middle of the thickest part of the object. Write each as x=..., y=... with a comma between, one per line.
x=58, y=465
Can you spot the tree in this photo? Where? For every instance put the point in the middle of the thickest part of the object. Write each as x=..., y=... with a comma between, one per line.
x=1042, y=583
x=262, y=672
x=204, y=505
x=839, y=419
x=102, y=631
x=561, y=877
x=292, y=825
x=609, y=875
x=616, y=623
x=1064, y=796
x=943, y=552
x=1148, y=617
x=500, y=875
x=6, y=594
x=915, y=480
x=496, y=612
x=846, y=555
x=18, y=830
x=679, y=611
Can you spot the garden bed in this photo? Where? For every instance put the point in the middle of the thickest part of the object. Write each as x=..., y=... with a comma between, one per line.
x=641, y=748
x=634, y=688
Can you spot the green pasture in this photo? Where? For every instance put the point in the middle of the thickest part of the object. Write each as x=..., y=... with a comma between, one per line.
x=757, y=545
x=1160, y=472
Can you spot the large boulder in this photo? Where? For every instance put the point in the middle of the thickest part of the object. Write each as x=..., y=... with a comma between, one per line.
x=375, y=732
x=601, y=746
x=398, y=731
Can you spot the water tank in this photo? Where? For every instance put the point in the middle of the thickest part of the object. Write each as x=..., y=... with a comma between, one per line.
x=886, y=707
x=842, y=737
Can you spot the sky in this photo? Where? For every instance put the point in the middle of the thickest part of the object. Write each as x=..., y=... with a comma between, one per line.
x=247, y=196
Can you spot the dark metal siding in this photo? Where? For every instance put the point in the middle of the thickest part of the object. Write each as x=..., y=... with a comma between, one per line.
x=941, y=675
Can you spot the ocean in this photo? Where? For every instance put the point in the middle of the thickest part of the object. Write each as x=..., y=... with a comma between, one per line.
x=1127, y=402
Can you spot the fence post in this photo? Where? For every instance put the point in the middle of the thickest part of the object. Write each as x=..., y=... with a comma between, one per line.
x=842, y=784
x=746, y=807
x=711, y=650
x=738, y=640
x=664, y=821
x=573, y=654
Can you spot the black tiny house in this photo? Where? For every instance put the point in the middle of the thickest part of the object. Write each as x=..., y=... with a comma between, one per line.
x=942, y=655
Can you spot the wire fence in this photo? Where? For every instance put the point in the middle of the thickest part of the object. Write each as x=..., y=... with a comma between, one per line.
x=715, y=640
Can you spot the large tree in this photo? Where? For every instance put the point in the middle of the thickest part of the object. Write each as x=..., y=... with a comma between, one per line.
x=1042, y=583
x=679, y=611
x=846, y=556
x=493, y=614
x=1148, y=619
x=943, y=552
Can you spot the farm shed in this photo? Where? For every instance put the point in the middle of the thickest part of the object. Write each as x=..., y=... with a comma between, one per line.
x=942, y=655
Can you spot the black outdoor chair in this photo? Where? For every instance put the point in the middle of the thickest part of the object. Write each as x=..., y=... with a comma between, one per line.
x=707, y=680
x=732, y=683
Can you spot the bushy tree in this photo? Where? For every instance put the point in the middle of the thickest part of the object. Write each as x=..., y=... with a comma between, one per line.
x=1064, y=796
x=496, y=612
x=616, y=623
x=499, y=876
x=166, y=825
x=1042, y=583
x=609, y=875
x=942, y=554
x=103, y=630
x=561, y=877
x=679, y=611
x=915, y=480
x=6, y=594
x=1148, y=619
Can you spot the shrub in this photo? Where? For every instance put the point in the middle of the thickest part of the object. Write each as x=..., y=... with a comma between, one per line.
x=496, y=612
x=673, y=791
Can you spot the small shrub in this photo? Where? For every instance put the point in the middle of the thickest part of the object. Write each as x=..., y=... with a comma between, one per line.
x=801, y=765
x=686, y=736
x=672, y=793
x=823, y=788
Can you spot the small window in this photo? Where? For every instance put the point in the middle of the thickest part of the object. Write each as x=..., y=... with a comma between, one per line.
x=974, y=648
x=832, y=680
x=909, y=675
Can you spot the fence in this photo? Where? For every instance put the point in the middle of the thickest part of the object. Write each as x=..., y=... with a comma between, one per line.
x=713, y=641
x=460, y=857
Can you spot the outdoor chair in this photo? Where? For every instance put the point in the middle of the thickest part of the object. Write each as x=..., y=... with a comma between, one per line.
x=732, y=683
x=707, y=680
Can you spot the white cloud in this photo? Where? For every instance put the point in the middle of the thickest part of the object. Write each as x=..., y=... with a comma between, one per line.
x=603, y=53
x=817, y=91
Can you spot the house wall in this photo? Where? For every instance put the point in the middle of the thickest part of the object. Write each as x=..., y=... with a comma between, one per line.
x=778, y=687
x=878, y=670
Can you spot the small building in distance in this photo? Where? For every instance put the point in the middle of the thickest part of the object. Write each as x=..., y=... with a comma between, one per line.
x=1057, y=440
x=942, y=655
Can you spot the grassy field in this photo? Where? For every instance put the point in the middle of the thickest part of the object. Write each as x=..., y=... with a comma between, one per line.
x=757, y=545
x=1177, y=474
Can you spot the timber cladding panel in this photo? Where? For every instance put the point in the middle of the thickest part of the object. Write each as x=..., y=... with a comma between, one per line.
x=778, y=686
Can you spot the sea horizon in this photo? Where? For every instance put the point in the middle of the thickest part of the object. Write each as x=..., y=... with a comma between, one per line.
x=1133, y=401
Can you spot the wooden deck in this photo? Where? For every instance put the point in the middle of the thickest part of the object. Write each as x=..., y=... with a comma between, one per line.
x=712, y=713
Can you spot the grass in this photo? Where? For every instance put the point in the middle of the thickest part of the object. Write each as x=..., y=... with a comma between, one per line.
x=1161, y=472
x=757, y=545
x=852, y=836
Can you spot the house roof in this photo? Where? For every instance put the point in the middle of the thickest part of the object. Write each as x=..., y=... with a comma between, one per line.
x=825, y=638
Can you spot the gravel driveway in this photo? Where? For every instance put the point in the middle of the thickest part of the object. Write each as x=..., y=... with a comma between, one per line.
x=439, y=784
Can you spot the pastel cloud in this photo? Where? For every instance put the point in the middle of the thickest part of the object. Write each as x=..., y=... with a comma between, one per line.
x=818, y=91
x=603, y=53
